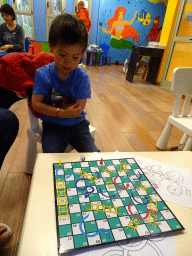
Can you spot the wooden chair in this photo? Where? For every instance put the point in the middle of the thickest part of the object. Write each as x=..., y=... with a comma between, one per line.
x=34, y=134
x=181, y=85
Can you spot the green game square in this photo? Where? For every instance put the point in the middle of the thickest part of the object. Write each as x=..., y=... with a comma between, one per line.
x=86, y=169
x=126, y=201
x=63, y=209
x=114, y=173
x=93, y=164
x=70, y=184
x=56, y=166
x=65, y=230
x=94, y=197
x=80, y=241
x=114, y=223
x=76, y=217
x=132, y=192
x=90, y=226
x=141, y=208
x=68, y=171
x=117, y=167
x=108, y=162
x=145, y=199
x=174, y=224
x=99, y=215
x=61, y=177
x=85, y=207
x=77, y=177
x=151, y=191
x=123, y=161
x=107, y=202
x=81, y=192
x=161, y=206
x=159, y=216
x=130, y=233
x=107, y=179
x=89, y=183
x=152, y=229
x=76, y=165
x=124, y=179
x=102, y=187
x=134, y=166
x=136, y=184
x=114, y=194
x=73, y=199
x=130, y=172
x=106, y=239
x=122, y=211
x=142, y=177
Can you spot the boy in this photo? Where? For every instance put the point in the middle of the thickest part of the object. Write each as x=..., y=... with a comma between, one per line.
x=61, y=89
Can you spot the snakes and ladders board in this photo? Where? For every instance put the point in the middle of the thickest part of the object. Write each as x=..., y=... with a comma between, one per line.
x=104, y=201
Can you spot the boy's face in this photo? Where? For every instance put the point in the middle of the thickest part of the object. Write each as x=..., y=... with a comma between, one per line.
x=66, y=58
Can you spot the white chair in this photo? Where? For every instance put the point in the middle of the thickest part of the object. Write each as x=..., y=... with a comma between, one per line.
x=34, y=135
x=181, y=85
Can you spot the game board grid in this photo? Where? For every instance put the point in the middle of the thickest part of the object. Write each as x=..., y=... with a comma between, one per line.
x=116, y=223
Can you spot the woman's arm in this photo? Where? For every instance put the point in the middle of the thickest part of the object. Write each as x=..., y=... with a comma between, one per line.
x=130, y=22
x=112, y=28
x=20, y=40
x=72, y=111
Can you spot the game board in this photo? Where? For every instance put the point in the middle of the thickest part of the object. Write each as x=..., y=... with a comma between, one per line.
x=100, y=202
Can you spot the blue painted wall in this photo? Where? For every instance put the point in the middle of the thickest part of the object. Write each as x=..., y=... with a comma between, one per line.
x=102, y=11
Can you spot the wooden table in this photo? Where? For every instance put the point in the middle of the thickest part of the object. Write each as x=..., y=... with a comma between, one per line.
x=155, y=61
x=39, y=237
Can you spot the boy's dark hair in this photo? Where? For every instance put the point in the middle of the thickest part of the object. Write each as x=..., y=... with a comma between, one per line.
x=7, y=9
x=68, y=29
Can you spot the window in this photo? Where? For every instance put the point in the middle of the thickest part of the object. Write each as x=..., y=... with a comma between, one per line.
x=24, y=13
x=54, y=8
x=1, y=19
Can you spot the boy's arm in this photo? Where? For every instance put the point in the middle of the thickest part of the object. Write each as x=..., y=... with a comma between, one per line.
x=71, y=112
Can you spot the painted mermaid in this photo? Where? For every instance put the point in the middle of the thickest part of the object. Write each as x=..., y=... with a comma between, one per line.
x=121, y=29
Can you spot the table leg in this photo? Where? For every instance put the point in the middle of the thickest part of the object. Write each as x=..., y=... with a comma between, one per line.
x=100, y=62
x=91, y=59
x=132, y=66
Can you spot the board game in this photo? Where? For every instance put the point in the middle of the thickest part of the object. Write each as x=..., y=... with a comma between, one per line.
x=105, y=201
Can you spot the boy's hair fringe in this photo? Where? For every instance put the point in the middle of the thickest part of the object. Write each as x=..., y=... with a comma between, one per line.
x=68, y=29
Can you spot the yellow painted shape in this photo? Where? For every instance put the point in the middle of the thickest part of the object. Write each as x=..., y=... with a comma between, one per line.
x=123, y=167
x=104, y=208
x=132, y=226
x=158, y=1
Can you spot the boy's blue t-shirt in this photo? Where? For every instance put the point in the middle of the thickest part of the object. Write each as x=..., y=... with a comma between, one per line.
x=58, y=92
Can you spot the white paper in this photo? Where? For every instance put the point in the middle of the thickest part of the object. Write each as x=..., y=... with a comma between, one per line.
x=157, y=246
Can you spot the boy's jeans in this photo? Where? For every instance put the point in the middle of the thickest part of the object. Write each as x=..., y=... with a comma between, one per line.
x=55, y=138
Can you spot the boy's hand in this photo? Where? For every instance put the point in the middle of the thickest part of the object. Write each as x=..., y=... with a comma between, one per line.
x=72, y=111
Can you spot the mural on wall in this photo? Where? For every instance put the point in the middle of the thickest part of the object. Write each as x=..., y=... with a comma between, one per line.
x=123, y=24
x=121, y=29
x=144, y=17
x=154, y=31
x=159, y=1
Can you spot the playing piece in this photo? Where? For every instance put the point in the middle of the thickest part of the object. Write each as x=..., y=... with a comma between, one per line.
x=96, y=204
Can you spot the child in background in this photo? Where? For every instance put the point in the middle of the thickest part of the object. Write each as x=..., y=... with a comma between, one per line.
x=61, y=89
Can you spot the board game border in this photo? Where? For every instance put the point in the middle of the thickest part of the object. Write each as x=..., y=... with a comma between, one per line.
x=97, y=245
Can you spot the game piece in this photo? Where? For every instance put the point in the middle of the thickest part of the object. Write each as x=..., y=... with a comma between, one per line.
x=60, y=164
x=82, y=158
x=98, y=204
